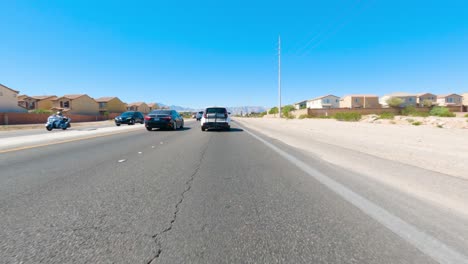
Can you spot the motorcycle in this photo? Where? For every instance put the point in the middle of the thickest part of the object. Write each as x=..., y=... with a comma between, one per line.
x=57, y=122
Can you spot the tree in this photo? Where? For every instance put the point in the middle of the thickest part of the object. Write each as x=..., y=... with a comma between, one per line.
x=427, y=103
x=286, y=109
x=395, y=101
x=273, y=110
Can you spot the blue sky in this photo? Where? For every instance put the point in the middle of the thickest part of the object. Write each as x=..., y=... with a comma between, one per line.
x=198, y=53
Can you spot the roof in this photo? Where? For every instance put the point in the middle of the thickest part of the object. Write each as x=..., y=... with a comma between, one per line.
x=152, y=104
x=73, y=96
x=42, y=97
x=360, y=95
x=22, y=96
x=400, y=94
x=301, y=102
x=104, y=99
x=447, y=95
x=421, y=94
x=136, y=104
x=8, y=88
x=316, y=98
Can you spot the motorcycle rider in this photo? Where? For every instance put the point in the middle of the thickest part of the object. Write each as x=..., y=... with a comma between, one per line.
x=60, y=117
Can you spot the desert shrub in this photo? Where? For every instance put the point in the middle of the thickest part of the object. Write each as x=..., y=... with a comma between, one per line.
x=427, y=103
x=417, y=123
x=386, y=115
x=350, y=117
x=413, y=111
x=42, y=111
x=408, y=110
x=466, y=115
x=394, y=102
x=441, y=111
x=273, y=110
x=286, y=109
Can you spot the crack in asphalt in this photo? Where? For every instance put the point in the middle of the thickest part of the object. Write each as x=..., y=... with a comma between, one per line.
x=188, y=186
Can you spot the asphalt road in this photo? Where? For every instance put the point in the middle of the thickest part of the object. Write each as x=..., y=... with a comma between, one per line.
x=205, y=197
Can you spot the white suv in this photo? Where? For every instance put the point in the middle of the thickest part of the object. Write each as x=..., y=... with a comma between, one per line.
x=215, y=118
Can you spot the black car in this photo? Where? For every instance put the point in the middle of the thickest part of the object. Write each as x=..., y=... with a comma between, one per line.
x=130, y=117
x=169, y=119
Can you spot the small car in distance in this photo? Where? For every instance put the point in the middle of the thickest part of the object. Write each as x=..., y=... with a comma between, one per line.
x=199, y=115
x=215, y=118
x=168, y=119
x=130, y=118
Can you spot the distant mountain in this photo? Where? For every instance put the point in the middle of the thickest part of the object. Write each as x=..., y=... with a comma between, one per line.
x=235, y=110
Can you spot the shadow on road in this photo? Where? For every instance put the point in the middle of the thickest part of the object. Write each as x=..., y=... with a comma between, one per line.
x=170, y=129
x=226, y=131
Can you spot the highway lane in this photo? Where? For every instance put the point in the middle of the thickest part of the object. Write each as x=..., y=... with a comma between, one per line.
x=193, y=197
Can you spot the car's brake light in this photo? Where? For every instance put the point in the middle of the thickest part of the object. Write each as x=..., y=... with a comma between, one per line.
x=147, y=117
x=204, y=115
x=167, y=118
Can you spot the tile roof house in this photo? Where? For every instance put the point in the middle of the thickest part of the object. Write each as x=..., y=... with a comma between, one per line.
x=408, y=99
x=426, y=97
x=9, y=100
x=153, y=106
x=449, y=99
x=138, y=106
x=300, y=105
x=111, y=104
x=360, y=101
x=326, y=101
x=465, y=99
x=80, y=104
x=44, y=102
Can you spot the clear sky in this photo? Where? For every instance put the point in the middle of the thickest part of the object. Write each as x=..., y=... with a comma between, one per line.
x=198, y=53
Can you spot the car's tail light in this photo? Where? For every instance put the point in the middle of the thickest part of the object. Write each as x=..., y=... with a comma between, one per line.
x=167, y=118
x=204, y=115
x=147, y=117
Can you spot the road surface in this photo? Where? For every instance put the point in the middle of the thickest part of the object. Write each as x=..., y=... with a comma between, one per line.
x=208, y=197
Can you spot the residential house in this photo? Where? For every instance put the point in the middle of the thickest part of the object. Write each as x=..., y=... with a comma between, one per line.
x=300, y=105
x=138, y=106
x=326, y=101
x=9, y=100
x=360, y=101
x=465, y=99
x=408, y=99
x=153, y=106
x=449, y=99
x=80, y=104
x=111, y=105
x=426, y=97
x=44, y=102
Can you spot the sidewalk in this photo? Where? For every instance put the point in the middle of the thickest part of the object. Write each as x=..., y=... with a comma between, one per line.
x=41, y=126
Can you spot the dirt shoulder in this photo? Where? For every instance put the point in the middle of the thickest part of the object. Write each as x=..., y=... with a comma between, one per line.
x=426, y=162
x=432, y=148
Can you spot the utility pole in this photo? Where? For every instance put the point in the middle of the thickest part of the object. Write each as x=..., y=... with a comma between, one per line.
x=279, y=76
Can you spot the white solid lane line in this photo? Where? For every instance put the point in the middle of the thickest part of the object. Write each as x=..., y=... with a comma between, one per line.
x=429, y=245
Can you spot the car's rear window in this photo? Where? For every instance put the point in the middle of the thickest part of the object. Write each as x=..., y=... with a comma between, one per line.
x=127, y=113
x=160, y=112
x=216, y=110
